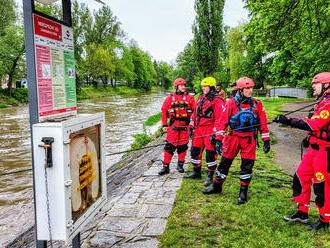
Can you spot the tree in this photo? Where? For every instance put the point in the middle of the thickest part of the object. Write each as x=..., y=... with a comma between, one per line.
x=236, y=52
x=12, y=49
x=98, y=63
x=187, y=66
x=165, y=72
x=143, y=69
x=105, y=27
x=8, y=16
x=298, y=31
x=208, y=36
x=81, y=23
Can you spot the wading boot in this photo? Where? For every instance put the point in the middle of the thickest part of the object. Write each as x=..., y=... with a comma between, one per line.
x=243, y=194
x=216, y=188
x=298, y=216
x=209, y=178
x=180, y=167
x=164, y=170
x=196, y=174
x=318, y=226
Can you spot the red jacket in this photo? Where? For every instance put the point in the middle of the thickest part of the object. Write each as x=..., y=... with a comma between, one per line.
x=231, y=110
x=319, y=121
x=208, y=112
x=178, y=108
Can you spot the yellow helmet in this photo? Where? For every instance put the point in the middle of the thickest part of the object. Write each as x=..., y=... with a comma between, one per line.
x=209, y=81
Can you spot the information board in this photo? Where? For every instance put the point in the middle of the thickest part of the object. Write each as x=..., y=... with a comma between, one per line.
x=55, y=69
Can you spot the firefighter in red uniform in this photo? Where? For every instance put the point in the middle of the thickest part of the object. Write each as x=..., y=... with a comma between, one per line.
x=241, y=112
x=205, y=121
x=178, y=107
x=315, y=165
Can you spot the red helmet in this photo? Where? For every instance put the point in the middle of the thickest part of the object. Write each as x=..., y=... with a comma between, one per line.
x=244, y=82
x=179, y=81
x=323, y=77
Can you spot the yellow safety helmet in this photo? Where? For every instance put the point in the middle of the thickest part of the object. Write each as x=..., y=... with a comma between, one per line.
x=209, y=81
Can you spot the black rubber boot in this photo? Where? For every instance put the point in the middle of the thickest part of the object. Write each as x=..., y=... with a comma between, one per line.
x=164, y=170
x=209, y=178
x=216, y=188
x=243, y=194
x=196, y=174
x=298, y=216
x=318, y=226
x=180, y=167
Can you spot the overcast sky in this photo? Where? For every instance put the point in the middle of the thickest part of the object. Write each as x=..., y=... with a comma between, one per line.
x=163, y=27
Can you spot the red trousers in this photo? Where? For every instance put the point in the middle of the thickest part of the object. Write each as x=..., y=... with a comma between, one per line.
x=198, y=145
x=314, y=169
x=174, y=134
x=233, y=144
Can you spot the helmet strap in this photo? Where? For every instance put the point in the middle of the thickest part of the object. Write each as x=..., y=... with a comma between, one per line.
x=243, y=99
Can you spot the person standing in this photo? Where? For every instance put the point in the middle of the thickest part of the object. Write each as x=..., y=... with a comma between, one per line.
x=242, y=113
x=314, y=168
x=220, y=91
x=233, y=90
x=205, y=121
x=178, y=108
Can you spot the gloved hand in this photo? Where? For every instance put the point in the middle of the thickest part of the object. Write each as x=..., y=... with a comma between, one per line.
x=282, y=119
x=191, y=132
x=267, y=146
x=212, y=139
x=218, y=147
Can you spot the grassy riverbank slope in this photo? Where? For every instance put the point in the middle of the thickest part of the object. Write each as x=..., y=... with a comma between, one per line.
x=199, y=220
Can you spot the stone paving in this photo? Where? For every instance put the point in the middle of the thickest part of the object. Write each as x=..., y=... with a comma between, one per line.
x=140, y=214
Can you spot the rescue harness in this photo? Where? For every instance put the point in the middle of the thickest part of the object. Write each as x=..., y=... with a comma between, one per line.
x=180, y=110
x=245, y=120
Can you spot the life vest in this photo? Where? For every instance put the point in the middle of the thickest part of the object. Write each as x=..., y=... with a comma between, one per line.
x=205, y=109
x=180, y=110
x=324, y=132
x=244, y=119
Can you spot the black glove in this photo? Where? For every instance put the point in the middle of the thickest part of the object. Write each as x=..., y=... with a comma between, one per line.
x=191, y=132
x=218, y=147
x=282, y=119
x=212, y=139
x=267, y=146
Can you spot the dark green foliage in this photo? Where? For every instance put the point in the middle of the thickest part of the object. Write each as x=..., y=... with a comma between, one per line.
x=208, y=36
x=140, y=140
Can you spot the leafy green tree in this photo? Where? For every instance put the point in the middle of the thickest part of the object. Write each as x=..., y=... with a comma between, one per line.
x=143, y=69
x=187, y=66
x=81, y=23
x=105, y=27
x=208, y=35
x=98, y=63
x=8, y=15
x=165, y=74
x=125, y=66
x=12, y=49
x=298, y=31
x=236, y=52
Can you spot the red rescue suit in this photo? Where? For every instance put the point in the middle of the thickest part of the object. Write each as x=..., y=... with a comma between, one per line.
x=315, y=164
x=243, y=140
x=206, y=121
x=178, y=108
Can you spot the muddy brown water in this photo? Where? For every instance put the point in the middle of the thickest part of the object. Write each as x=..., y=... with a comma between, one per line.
x=124, y=115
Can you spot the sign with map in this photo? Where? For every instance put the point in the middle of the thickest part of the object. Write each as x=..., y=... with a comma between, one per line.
x=55, y=69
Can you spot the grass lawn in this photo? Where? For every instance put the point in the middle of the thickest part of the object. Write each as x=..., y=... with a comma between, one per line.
x=199, y=220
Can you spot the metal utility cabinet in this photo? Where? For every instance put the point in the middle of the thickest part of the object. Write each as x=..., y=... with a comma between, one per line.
x=70, y=174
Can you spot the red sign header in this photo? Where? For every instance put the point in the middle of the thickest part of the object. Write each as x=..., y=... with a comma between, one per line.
x=47, y=28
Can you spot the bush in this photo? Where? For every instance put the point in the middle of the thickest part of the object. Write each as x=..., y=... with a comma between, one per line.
x=20, y=94
x=140, y=140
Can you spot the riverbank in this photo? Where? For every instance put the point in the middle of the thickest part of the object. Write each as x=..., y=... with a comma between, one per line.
x=199, y=220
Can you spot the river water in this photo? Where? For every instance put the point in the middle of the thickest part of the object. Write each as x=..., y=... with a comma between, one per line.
x=124, y=115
